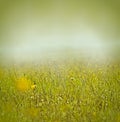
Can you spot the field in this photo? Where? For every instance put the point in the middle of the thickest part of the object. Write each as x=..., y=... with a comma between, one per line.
x=60, y=91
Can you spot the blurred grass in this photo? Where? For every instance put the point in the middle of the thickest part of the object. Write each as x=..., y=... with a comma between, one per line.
x=69, y=91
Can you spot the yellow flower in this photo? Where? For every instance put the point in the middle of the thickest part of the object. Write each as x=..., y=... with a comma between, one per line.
x=23, y=84
x=33, y=86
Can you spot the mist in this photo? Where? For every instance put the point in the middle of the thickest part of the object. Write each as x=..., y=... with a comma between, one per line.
x=39, y=29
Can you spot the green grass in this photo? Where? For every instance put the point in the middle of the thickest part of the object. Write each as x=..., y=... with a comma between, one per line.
x=70, y=91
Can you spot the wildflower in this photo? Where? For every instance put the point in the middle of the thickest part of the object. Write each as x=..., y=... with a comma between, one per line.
x=33, y=86
x=23, y=84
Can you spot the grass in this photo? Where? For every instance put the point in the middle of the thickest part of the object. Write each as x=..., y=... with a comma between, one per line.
x=70, y=91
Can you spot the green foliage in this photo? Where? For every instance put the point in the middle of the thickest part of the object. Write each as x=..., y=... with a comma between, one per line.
x=64, y=92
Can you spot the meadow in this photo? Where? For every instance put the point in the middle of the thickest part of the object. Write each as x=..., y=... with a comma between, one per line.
x=60, y=91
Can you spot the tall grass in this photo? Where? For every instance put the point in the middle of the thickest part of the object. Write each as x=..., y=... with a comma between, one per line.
x=69, y=91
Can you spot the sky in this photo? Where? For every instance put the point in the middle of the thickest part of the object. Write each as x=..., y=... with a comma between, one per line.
x=41, y=28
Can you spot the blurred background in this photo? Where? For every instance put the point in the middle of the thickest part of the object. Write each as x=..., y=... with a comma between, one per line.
x=36, y=29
